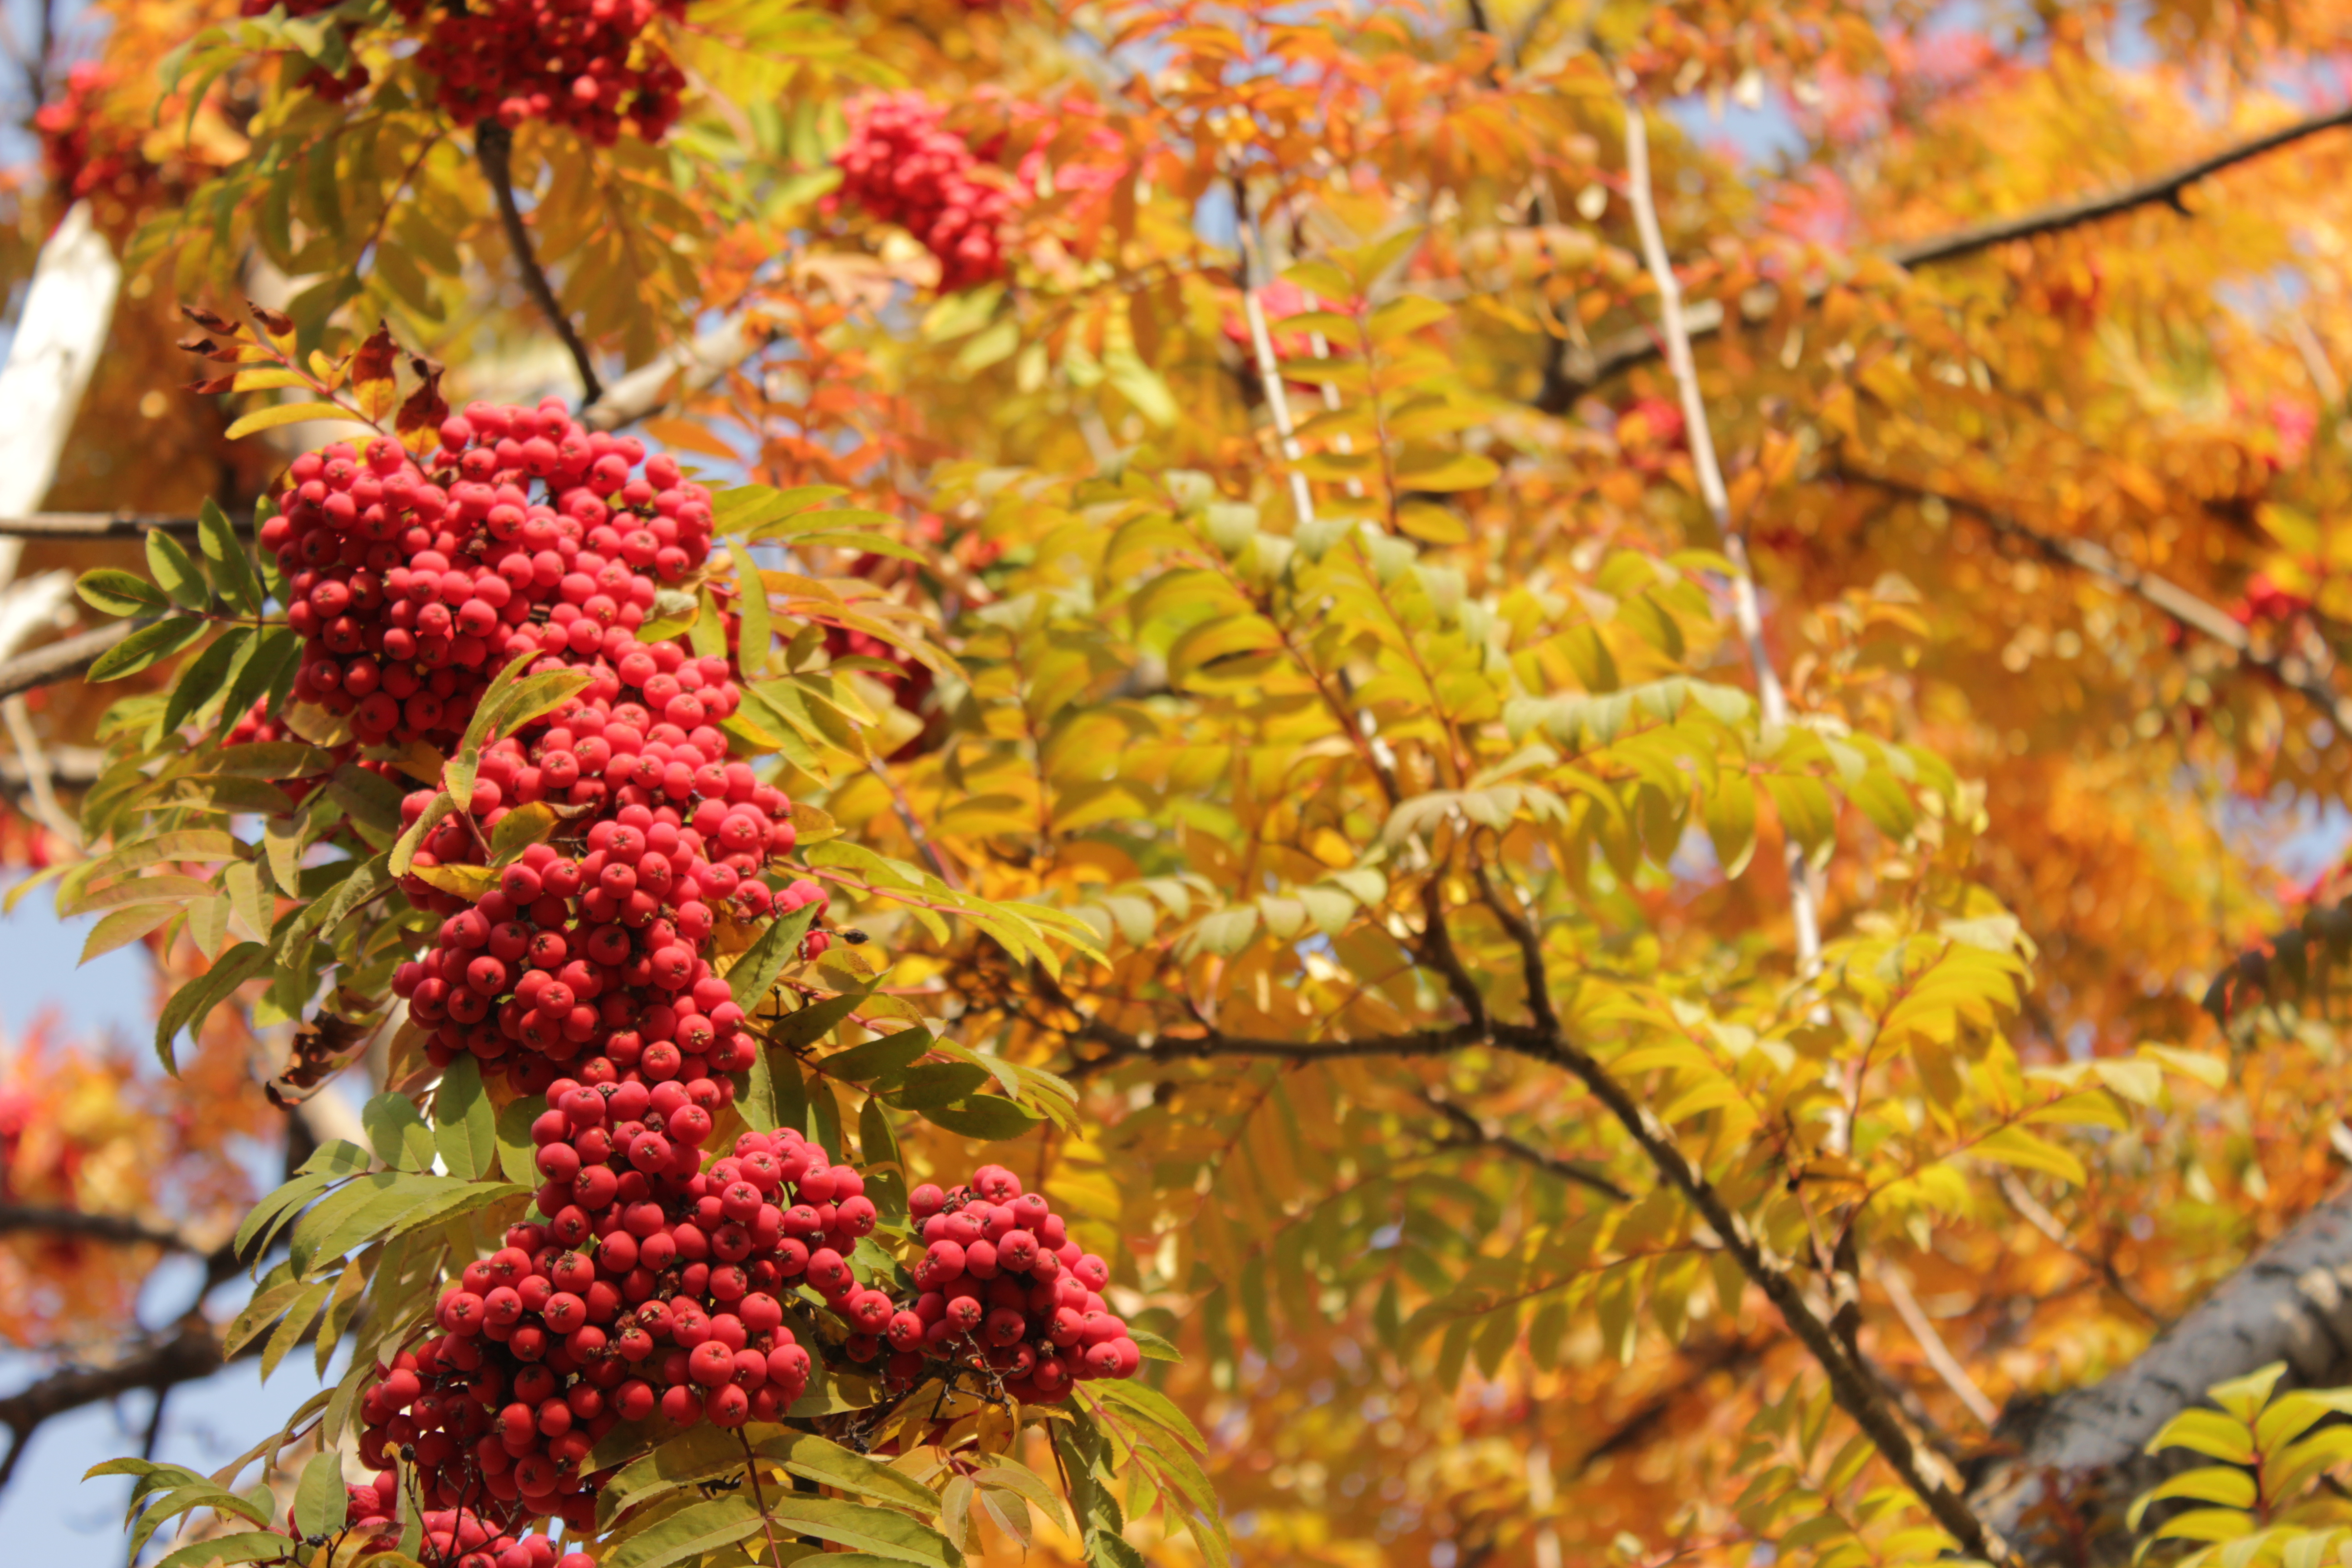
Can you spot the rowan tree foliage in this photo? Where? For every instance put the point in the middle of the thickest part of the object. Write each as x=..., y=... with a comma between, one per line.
x=1156, y=781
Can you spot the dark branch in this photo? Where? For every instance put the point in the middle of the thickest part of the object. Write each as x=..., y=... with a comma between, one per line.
x=493, y=149
x=62, y=660
x=1123, y=1045
x=92, y=525
x=1580, y=370
x=188, y=1353
x=127, y=1229
x=2187, y=610
x=1475, y=1134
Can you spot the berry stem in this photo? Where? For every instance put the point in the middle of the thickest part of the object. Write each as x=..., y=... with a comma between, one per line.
x=760, y=1497
x=494, y=149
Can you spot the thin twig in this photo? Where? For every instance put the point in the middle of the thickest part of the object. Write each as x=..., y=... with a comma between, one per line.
x=1581, y=371
x=1940, y=1354
x=494, y=149
x=2190, y=611
x=2020, y=1198
x=62, y=660
x=1745, y=610
x=1476, y=1134
x=36, y=770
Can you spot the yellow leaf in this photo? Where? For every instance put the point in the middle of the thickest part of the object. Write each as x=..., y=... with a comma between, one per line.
x=270, y=418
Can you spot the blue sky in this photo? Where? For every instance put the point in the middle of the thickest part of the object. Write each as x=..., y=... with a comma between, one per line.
x=47, y=1514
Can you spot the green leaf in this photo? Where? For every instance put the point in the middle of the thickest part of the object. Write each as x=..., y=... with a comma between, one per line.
x=176, y=571
x=934, y=1084
x=756, y=968
x=318, y=1502
x=986, y=1116
x=876, y=1058
x=224, y=556
x=705, y=1527
x=398, y=1132
x=252, y=1546
x=2016, y=1146
x=2223, y=1484
x=121, y=593
x=465, y=1126
x=193, y=1002
x=279, y=414
x=404, y=850
x=864, y=1528
x=203, y=679
x=814, y=1459
x=520, y=828
x=757, y=638
x=516, y=1153
x=145, y=646
x=1808, y=815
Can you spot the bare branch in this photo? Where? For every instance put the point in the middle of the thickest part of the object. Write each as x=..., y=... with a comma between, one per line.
x=2020, y=1198
x=190, y=1353
x=1580, y=370
x=688, y=368
x=127, y=1229
x=494, y=149
x=1745, y=609
x=1477, y=1134
x=93, y=525
x=2186, y=609
x=1940, y=1354
x=62, y=660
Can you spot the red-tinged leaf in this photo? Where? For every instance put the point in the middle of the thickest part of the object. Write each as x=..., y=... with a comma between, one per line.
x=424, y=408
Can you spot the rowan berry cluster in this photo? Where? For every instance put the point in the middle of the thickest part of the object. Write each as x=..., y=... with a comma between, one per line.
x=459, y=1537
x=1004, y=1289
x=587, y=65
x=83, y=152
x=598, y=962
x=496, y=1413
x=410, y=585
x=903, y=167
x=583, y=64
x=332, y=86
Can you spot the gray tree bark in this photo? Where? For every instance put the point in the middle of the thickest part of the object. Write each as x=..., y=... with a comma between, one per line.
x=2080, y=1458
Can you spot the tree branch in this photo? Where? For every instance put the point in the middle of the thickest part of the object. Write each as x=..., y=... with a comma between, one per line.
x=2020, y=1198
x=1580, y=370
x=94, y=525
x=1750, y=615
x=62, y=660
x=188, y=1353
x=1855, y=1388
x=2186, y=609
x=127, y=1229
x=692, y=366
x=2290, y=1302
x=493, y=149
x=1940, y=1354
x=1477, y=1134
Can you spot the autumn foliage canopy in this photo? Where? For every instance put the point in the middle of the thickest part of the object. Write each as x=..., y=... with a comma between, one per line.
x=1157, y=782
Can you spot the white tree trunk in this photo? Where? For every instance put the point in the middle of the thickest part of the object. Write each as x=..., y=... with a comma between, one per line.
x=67, y=312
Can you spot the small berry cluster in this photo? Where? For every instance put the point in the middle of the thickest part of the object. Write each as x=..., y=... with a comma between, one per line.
x=83, y=151
x=902, y=165
x=586, y=65
x=1004, y=1291
x=692, y=1259
x=327, y=84
x=599, y=962
x=460, y=1537
x=496, y=1413
x=410, y=585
